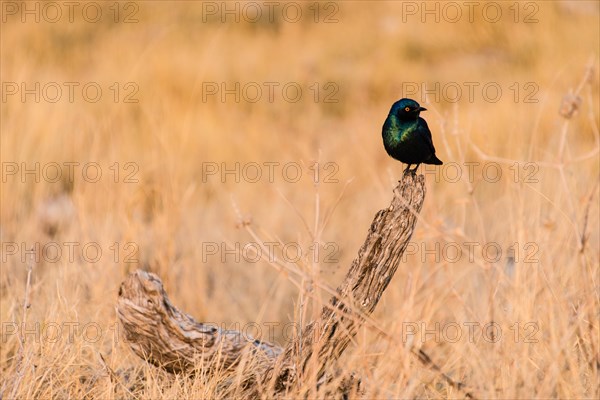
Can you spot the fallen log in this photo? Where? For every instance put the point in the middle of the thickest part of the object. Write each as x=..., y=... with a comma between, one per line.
x=170, y=339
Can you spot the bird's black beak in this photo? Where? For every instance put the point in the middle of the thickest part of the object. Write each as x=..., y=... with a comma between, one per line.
x=422, y=109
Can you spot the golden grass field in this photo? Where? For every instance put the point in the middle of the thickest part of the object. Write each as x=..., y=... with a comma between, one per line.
x=517, y=253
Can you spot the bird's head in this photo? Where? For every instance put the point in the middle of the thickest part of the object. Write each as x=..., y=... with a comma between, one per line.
x=406, y=109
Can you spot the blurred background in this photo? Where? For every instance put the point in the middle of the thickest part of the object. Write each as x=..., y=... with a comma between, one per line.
x=182, y=137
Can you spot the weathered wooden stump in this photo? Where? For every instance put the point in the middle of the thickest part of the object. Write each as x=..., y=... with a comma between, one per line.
x=170, y=339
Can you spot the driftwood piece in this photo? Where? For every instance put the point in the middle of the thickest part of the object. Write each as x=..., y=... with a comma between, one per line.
x=173, y=340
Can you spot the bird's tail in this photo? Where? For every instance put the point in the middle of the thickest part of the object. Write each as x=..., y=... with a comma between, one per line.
x=434, y=160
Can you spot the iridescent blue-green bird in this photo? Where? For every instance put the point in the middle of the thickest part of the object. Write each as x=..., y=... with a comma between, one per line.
x=406, y=136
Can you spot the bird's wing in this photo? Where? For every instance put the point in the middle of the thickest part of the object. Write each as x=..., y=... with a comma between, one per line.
x=426, y=133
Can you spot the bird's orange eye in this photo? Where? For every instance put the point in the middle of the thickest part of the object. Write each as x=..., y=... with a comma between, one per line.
x=407, y=109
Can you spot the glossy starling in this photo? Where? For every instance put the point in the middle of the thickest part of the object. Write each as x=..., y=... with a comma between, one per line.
x=406, y=136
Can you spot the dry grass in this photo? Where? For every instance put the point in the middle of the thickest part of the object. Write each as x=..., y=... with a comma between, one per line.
x=549, y=285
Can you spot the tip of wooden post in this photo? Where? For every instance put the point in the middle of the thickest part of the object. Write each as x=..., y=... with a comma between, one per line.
x=411, y=175
x=411, y=187
x=411, y=178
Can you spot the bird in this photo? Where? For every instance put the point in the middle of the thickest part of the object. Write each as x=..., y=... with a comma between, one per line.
x=406, y=136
